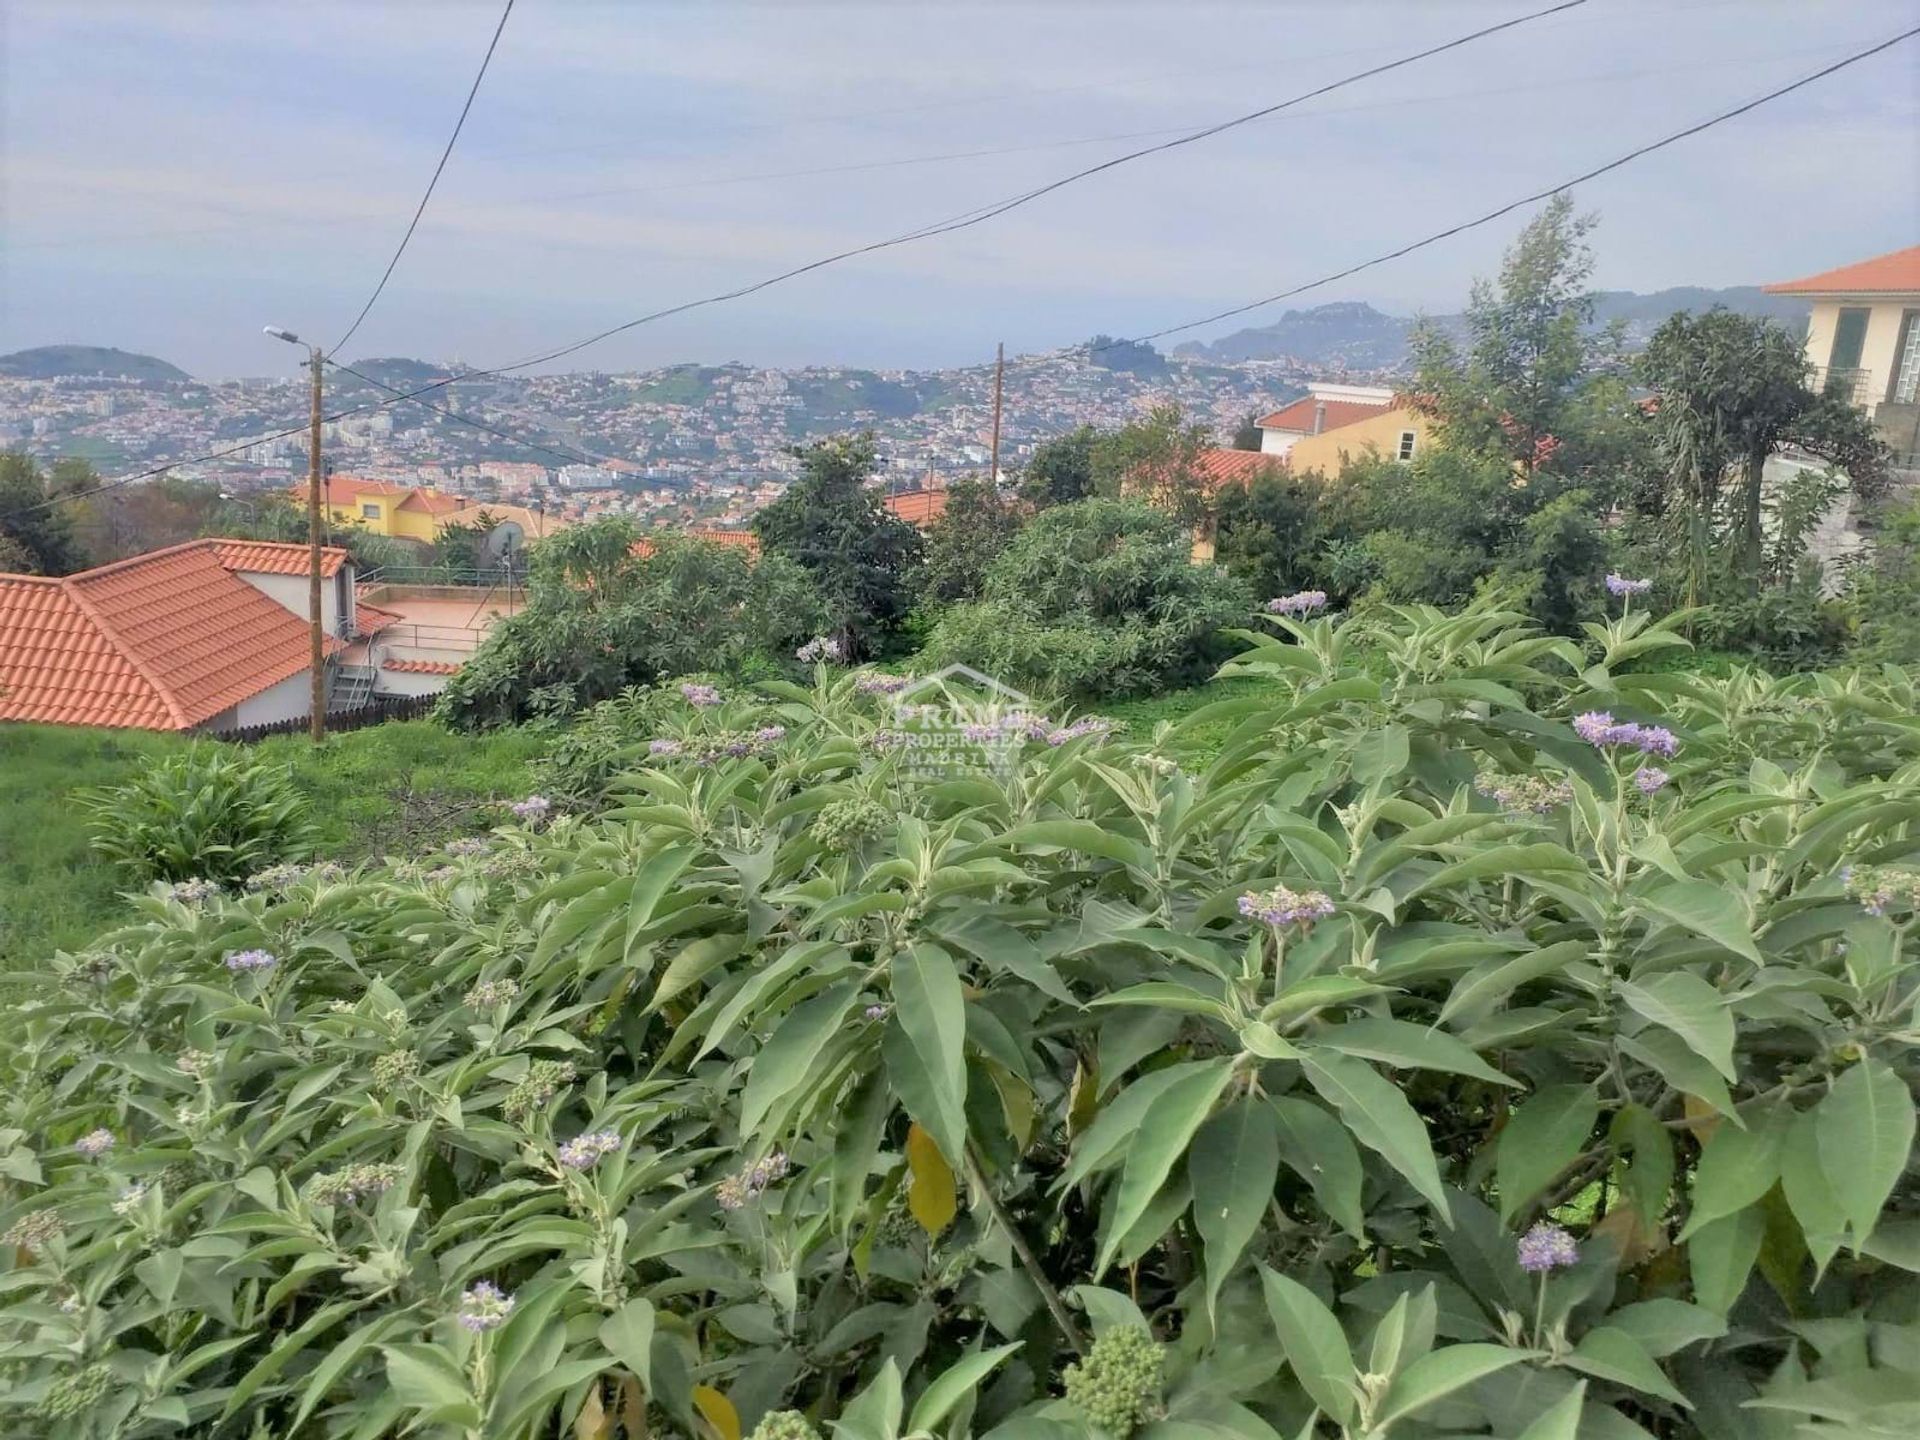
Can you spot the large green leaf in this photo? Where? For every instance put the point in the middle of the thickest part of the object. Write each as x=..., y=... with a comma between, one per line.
x=1708, y=910
x=1540, y=1140
x=1157, y=1146
x=1560, y=1420
x=1407, y=1047
x=786, y=1061
x=954, y=1384
x=1315, y=1345
x=1663, y=1326
x=1379, y=1117
x=1809, y=1191
x=1233, y=1163
x=1736, y=1168
x=1692, y=1009
x=628, y=1336
x=925, y=1046
x=1865, y=1129
x=1721, y=1255
x=1607, y=1353
x=1436, y=1376
x=1318, y=1148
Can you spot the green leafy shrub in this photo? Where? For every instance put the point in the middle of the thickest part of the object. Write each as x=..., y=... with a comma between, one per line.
x=1350, y=1084
x=210, y=814
x=1097, y=598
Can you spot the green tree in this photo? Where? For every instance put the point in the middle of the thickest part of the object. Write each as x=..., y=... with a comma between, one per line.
x=1061, y=470
x=833, y=524
x=1247, y=434
x=1095, y=599
x=604, y=612
x=1731, y=390
x=1158, y=459
x=35, y=535
x=975, y=527
x=1268, y=531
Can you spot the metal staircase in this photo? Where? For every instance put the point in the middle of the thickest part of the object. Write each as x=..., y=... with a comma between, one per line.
x=352, y=687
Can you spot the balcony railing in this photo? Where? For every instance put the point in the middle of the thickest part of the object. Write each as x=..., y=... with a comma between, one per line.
x=1852, y=384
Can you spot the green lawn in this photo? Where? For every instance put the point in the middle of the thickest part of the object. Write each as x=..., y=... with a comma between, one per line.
x=387, y=789
x=1202, y=743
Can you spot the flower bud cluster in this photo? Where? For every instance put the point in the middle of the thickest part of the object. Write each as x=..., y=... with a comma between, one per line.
x=1598, y=728
x=1523, y=794
x=585, y=1151
x=485, y=994
x=842, y=824
x=33, y=1230
x=191, y=892
x=1117, y=1384
x=544, y=1080
x=355, y=1183
x=784, y=1425
x=820, y=648
x=701, y=697
x=395, y=1068
x=74, y=1394
x=739, y=1190
x=484, y=1306
x=1281, y=906
x=877, y=682
x=1880, y=888
x=1303, y=603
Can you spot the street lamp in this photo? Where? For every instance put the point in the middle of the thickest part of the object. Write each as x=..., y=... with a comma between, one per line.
x=317, y=720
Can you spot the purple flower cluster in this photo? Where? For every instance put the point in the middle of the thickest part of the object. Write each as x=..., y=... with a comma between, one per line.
x=95, y=1143
x=1523, y=794
x=770, y=734
x=484, y=1306
x=1598, y=728
x=243, y=960
x=878, y=1012
x=1650, y=780
x=1301, y=604
x=532, y=809
x=1086, y=725
x=737, y=1191
x=584, y=1151
x=1281, y=906
x=701, y=697
x=886, y=740
x=876, y=682
x=1880, y=888
x=191, y=892
x=820, y=647
x=664, y=747
x=1546, y=1248
x=467, y=845
x=485, y=994
x=1621, y=585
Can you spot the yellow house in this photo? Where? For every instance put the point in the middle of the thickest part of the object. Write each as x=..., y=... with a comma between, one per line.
x=1864, y=338
x=420, y=514
x=1338, y=423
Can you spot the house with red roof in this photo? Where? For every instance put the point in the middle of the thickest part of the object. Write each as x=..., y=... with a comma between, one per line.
x=210, y=636
x=1334, y=424
x=1863, y=340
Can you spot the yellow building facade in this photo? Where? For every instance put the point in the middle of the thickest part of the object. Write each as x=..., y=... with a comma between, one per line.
x=1396, y=433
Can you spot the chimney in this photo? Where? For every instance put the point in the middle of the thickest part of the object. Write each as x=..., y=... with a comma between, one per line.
x=1319, y=416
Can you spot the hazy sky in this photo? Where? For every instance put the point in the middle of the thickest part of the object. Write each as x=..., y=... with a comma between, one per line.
x=176, y=175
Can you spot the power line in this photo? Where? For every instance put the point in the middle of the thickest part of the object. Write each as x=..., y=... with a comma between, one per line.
x=1628, y=158
x=1328, y=279
x=445, y=155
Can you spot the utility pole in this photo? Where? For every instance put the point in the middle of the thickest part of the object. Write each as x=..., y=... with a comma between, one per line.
x=999, y=381
x=317, y=660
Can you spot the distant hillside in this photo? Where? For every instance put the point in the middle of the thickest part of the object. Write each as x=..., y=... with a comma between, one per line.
x=1355, y=336
x=51, y=362
x=398, y=370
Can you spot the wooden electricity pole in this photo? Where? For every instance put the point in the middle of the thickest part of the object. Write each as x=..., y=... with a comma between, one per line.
x=999, y=381
x=317, y=722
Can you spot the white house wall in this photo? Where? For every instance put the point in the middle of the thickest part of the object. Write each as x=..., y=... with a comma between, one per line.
x=285, y=701
x=291, y=592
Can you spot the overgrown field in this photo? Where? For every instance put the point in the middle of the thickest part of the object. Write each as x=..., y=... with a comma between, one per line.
x=382, y=790
x=1484, y=1041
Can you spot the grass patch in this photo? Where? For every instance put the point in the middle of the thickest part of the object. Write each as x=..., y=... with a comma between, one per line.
x=1200, y=744
x=388, y=789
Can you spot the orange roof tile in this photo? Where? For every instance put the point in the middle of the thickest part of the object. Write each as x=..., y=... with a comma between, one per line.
x=421, y=667
x=743, y=539
x=1299, y=415
x=371, y=619
x=1217, y=467
x=162, y=641
x=918, y=507
x=1896, y=273
x=273, y=557
x=432, y=501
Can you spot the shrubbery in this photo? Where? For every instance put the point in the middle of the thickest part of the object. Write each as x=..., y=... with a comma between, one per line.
x=1097, y=598
x=1489, y=1041
x=210, y=814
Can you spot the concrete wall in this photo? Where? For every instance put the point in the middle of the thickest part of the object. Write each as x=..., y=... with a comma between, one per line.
x=391, y=682
x=1877, y=352
x=1330, y=451
x=285, y=701
x=291, y=591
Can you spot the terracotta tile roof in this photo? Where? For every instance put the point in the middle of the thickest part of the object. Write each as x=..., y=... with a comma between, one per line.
x=433, y=502
x=421, y=667
x=1298, y=416
x=371, y=619
x=1897, y=273
x=918, y=507
x=743, y=539
x=1217, y=467
x=162, y=641
x=272, y=557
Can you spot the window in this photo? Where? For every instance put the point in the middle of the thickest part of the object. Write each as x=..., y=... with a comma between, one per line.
x=369, y=512
x=1407, y=441
x=1904, y=387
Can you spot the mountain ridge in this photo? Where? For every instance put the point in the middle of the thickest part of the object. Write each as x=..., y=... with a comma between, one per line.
x=53, y=362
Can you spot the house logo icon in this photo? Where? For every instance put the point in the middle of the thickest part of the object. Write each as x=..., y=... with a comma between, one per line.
x=961, y=688
x=960, y=719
